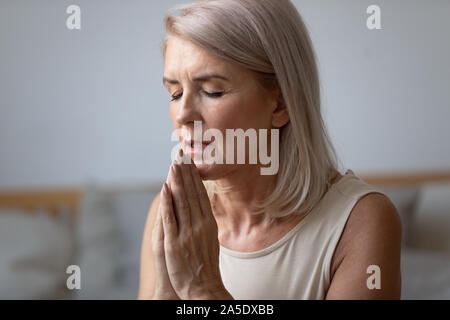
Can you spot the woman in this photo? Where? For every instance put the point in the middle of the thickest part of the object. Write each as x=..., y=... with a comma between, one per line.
x=306, y=232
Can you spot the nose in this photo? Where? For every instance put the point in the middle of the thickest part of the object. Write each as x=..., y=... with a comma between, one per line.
x=187, y=111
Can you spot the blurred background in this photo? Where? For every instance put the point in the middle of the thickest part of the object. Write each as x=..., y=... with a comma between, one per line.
x=85, y=134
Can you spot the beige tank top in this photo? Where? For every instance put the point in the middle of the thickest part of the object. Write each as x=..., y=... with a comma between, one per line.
x=298, y=265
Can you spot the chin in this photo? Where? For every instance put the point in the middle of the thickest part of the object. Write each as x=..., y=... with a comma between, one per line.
x=210, y=171
x=207, y=171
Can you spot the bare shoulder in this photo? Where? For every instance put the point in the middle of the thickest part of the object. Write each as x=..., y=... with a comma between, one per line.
x=372, y=236
x=373, y=216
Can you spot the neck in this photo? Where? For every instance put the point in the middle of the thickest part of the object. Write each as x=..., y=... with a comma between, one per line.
x=235, y=208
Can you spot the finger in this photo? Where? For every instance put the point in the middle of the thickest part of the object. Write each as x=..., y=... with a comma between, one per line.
x=170, y=183
x=182, y=157
x=170, y=175
x=168, y=216
x=202, y=194
x=162, y=280
x=157, y=234
x=191, y=192
x=158, y=248
x=179, y=200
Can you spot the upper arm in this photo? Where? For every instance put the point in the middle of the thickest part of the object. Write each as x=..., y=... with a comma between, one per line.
x=372, y=236
x=147, y=277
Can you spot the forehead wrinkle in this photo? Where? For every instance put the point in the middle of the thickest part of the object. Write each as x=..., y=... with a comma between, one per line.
x=184, y=60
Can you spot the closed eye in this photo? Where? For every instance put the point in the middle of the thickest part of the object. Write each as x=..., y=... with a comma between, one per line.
x=209, y=94
x=176, y=97
x=214, y=94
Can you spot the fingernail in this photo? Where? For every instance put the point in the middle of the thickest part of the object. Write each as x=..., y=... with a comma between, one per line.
x=166, y=188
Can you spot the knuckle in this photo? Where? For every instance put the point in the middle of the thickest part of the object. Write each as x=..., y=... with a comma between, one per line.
x=197, y=229
x=158, y=248
x=186, y=236
x=195, y=206
x=183, y=240
x=182, y=204
x=176, y=274
x=198, y=234
x=169, y=247
x=192, y=193
x=168, y=218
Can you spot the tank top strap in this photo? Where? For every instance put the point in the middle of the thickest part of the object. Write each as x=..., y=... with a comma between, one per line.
x=355, y=187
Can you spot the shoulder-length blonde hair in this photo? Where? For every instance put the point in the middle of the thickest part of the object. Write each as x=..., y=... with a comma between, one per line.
x=270, y=38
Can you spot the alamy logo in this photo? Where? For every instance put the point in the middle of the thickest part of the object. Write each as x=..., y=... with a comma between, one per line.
x=74, y=20
x=207, y=147
x=374, y=20
x=74, y=280
x=373, y=281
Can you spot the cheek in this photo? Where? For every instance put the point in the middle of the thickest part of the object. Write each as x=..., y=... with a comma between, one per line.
x=243, y=114
x=173, y=113
x=240, y=111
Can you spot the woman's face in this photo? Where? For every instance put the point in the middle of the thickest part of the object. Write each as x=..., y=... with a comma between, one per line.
x=218, y=93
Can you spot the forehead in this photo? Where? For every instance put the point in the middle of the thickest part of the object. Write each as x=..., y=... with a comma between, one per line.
x=183, y=58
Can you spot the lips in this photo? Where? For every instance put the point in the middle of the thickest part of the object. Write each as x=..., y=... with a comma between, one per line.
x=192, y=146
x=192, y=143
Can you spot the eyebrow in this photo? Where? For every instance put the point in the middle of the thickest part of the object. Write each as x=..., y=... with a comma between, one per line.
x=201, y=78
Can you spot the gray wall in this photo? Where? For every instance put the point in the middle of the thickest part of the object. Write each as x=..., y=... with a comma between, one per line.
x=89, y=105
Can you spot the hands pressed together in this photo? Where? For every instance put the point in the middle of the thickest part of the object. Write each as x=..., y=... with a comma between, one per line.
x=185, y=241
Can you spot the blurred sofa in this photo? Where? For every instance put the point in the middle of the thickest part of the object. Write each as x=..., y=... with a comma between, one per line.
x=104, y=241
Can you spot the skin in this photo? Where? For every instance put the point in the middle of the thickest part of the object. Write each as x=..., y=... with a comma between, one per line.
x=182, y=219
